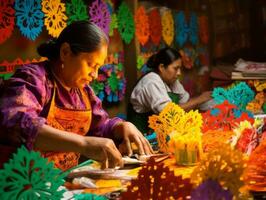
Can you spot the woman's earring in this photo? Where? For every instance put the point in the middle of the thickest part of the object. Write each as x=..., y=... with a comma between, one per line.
x=62, y=66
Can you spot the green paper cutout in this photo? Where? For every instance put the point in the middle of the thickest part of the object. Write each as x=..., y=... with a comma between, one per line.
x=89, y=197
x=120, y=66
x=113, y=81
x=75, y=11
x=264, y=107
x=30, y=176
x=126, y=25
x=140, y=62
x=113, y=24
x=6, y=76
x=97, y=86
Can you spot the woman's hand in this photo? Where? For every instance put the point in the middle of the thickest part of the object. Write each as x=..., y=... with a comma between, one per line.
x=205, y=96
x=129, y=133
x=102, y=150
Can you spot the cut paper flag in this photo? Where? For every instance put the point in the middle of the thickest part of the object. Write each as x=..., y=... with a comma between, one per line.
x=29, y=17
x=156, y=181
x=126, y=25
x=155, y=26
x=222, y=165
x=100, y=15
x=203, y=29
x=7, y=19
x=240, y=95
x=76, y=10
x=167, y=26
x=55, y=18
x=142, y=26
x=186, y=31
x=30, y=176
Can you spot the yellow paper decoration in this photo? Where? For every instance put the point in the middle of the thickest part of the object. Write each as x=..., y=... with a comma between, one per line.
x=224, y=165
x=167, y=27
x=255, y=106
x=142, y=26
x=174, y=122
x=55, y=19
x=259, y=85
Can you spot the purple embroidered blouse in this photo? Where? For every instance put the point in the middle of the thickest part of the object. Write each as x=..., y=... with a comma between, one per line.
x=25, y=101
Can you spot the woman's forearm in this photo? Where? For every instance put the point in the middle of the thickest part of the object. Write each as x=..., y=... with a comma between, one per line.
x=51, y=139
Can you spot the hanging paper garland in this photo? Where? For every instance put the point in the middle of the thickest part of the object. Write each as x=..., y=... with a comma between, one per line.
x=155, y=26
x=240, y=95
x=76, y=10
x=186, y=31
x=167, y=27
x=29, y=17
x=55, y=19
x=7, y=19
x=30, y=176
x=142, y=26
x=126, y=26
x=204, y=29
x=99, y=14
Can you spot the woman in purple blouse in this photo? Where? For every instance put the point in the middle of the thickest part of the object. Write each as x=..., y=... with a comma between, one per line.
x=49, y=106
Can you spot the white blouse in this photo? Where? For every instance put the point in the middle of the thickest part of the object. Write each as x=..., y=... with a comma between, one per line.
x=150, y=94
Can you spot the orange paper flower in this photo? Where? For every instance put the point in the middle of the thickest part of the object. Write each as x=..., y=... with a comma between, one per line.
x=155, y=26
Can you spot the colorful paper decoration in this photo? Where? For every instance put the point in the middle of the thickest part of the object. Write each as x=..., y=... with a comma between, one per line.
x=126, y=26
x=30, y=176
x=224, y=117
x=7, y=19
x=55, y=19
x=240, y=95
x=76, y=10
x=255, y=106
x=203, y=29
x=99, y=14
x=186, y=31
x=155, y=26
x=210, y=190
x=167, y=27
x=174, y=119
x=140, y=62
x=155, y=181
x=254, y=175
x=222, y=165
x=212, y=138
x=260, y=85
x=113, y=24
x=29, y=17
x=142, y=26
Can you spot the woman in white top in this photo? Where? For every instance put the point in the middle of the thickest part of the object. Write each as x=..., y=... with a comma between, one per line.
x=160, y=86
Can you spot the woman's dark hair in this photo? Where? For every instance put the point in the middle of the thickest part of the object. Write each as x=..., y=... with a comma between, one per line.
x=82, y=36
x=164, y=56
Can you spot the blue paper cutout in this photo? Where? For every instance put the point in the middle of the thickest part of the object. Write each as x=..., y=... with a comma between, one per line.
x=29, y=17
x=240, y=95
x=186, y=31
